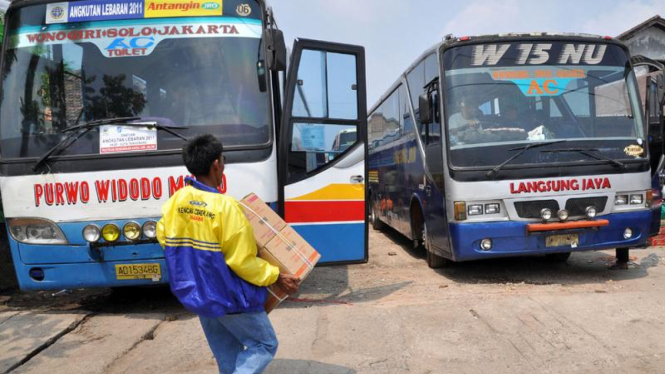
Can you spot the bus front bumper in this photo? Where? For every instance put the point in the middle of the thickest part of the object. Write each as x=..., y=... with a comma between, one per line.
x=513, y=239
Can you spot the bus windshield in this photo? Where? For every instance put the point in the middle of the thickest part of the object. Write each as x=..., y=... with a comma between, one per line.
x=194, y=72
x=501, y=97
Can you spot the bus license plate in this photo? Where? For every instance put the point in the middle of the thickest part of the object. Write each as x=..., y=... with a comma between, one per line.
x=138, y=271
x=561, y=240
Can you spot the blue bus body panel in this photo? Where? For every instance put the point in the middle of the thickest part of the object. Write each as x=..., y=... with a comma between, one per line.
x=335, y=242
x=511, y=239
x=400, y=171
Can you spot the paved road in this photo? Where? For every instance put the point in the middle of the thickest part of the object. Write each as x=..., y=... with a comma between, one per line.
x=392, y=315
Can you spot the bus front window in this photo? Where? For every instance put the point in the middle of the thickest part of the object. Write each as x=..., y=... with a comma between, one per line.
x=499, y=97
x=192, y=72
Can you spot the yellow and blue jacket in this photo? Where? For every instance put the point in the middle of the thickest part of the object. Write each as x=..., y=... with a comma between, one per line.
x=211, y=253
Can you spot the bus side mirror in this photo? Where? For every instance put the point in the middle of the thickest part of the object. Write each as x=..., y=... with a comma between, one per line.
x=424, y=109
x=275, y=49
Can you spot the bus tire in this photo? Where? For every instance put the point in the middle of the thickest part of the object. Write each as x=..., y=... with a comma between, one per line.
x=374, y=219
x=557, y=257
x=434, y=261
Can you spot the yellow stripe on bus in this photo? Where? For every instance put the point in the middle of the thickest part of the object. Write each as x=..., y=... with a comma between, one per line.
x=335, y=192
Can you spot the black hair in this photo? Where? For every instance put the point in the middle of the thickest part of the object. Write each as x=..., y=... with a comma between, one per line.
x=200, y=153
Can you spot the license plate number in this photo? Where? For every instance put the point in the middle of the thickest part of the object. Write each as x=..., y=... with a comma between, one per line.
x=138, y=271
x=560, y=240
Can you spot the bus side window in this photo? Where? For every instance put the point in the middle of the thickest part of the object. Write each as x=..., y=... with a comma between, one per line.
x=405, y=121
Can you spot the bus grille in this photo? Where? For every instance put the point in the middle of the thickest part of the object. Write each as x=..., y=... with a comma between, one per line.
x=576, y=207
x=531, y=209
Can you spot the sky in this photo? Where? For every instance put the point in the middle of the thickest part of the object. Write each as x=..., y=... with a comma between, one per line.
x=395, y=33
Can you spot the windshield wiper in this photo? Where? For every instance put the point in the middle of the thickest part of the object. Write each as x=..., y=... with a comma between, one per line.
x=590, y=152
x=75, y=133
x=518, y=154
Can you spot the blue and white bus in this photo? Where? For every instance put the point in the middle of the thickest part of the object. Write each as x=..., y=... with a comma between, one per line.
x=98, y=98
x=509, y=145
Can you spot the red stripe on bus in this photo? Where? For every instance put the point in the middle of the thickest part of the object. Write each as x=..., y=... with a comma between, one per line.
x=324, y=211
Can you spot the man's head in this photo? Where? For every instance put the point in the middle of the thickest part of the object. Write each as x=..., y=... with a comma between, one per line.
x=468, y=107
x=203, y=157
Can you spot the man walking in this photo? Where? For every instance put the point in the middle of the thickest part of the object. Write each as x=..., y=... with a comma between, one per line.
x=213, y=266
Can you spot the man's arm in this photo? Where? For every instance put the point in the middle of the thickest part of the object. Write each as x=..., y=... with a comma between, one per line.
x=240, y=254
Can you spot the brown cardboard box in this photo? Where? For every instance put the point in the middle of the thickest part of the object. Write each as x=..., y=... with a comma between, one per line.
x=278, y=244
x=263, y=219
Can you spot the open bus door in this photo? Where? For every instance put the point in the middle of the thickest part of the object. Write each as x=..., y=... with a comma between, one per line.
x=322, y=185
x=652, y=88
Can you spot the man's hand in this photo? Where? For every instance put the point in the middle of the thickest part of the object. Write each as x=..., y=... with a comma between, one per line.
x=289, y=283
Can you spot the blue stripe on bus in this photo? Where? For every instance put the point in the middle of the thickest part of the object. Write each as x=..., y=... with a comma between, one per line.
x=335, y=242
x=511, y=238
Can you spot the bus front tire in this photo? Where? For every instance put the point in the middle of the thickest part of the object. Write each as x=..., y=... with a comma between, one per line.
x=435, y=261
x=374, y=220
x=557, y=257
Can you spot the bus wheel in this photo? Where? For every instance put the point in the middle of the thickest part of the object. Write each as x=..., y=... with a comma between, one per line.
x=374, y=219
x=557, y=257
x=434, y=261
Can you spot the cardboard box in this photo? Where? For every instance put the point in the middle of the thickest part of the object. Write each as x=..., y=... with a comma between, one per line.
x=263, y=219
x=278, y=244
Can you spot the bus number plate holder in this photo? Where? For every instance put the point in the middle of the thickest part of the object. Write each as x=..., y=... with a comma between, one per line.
x=562, y=240
x=138, y=271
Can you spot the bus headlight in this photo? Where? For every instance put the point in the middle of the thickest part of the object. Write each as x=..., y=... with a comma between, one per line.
x=590, y=212
x=110, y=232
x=149, y=229
x=131, y=230
x=545, y=214
x=475, y=209
x=35, y=231
x=91, y=233
x=492, y=208
x=562, y=214
x=636, y=199
x=621, y=200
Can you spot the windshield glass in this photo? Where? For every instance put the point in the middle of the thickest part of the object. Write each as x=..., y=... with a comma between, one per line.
x=502, y=96
x=199, y=72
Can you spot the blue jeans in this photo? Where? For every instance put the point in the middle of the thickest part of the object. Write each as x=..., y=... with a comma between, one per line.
x=242, y=343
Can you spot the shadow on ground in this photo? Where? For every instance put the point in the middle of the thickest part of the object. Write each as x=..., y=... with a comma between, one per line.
x=280, y=366
x=581, y=268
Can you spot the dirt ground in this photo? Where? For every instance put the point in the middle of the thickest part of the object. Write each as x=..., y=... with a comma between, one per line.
x=391, y=315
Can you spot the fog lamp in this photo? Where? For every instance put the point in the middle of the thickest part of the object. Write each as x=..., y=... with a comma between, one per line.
x=545, y=214
x=131, y=230
x=627, y=233
x=486, y=244
x=562, y=214
x=590, y=212
x=110, y=232
x=91, y=233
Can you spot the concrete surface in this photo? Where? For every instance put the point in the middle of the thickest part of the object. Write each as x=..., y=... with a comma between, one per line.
x=392, y=315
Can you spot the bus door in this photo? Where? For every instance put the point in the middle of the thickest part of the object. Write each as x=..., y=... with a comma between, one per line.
x=652, y=85
x=434, y=199
x=322, y=149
